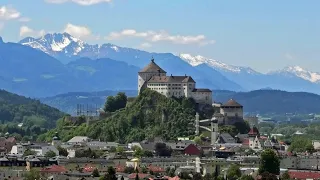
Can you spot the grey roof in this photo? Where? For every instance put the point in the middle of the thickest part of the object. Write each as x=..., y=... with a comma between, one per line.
x=78, y=139
x=201, y=90
x=180, y=145
x=146, y=145
x=171, y=79
x=152, y=67
x=226, y=138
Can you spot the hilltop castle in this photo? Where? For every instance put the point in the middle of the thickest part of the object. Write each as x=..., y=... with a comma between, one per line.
x=155, y=78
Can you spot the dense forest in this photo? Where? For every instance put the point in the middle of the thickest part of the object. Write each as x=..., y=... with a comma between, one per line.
x=35, y=116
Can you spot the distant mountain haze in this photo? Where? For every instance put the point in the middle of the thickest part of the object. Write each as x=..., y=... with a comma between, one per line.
x=59, y=63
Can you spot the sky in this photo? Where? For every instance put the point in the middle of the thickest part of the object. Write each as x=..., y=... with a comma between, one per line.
x=264, y=35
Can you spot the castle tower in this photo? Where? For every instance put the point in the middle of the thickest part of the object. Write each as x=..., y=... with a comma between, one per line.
x=152, y=69
x=214, y=130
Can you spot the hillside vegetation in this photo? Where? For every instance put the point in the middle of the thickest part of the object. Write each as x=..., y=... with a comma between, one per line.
x=35, y=116
x=142, y=118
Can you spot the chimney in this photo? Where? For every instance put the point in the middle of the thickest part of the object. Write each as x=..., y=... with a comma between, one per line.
x=171, y=75
x=185, y=75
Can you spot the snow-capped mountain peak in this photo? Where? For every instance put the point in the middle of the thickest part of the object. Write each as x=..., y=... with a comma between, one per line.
x=218, y=65
x=56, y=42
x=298, y=71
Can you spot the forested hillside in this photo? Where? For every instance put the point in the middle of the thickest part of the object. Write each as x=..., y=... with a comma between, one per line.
x=35, y=116
x=141, y=119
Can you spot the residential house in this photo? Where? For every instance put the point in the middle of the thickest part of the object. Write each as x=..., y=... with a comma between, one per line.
x=6, y=145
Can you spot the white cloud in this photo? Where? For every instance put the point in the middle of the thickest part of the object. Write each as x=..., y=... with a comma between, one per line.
x=24, y=19
x=80, y=2
x=79, y=31
x=145, y=45
x=8, y=13
x=153, y=36
x=26, y=31
x=288, y=56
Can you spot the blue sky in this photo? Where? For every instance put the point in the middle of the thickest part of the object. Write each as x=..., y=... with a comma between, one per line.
x=265, y=35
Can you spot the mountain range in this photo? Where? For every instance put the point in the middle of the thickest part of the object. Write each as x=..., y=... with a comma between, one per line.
x=58, y=63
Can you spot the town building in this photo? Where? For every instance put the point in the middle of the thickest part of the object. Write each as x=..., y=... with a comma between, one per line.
x=155, y=78
x=38, y=148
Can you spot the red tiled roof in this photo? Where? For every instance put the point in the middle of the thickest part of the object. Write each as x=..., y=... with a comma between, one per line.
x=89, y=168
x=141, y=175
x=304, y=174
x=253, y=131
x=172, y=178
x=54, y=168
x=155, y=169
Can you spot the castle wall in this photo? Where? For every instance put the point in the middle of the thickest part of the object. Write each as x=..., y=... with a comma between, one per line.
x=143, y=77
x=168, y=89
x=202, y=97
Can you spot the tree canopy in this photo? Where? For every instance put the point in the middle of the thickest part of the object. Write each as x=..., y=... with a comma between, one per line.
x=117, y=102
x=269, y=162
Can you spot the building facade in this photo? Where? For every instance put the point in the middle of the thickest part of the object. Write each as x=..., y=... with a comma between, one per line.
x=155, y=78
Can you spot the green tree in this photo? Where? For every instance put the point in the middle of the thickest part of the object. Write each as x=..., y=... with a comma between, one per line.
x=120, y=150
x=95, y=173
x=269, y=162
x=32, y=175
x=147, y=153
x=310, y=148
x=117, y=102
x=62, y=151
x=29, y=152
x=138, y=152
x=300, y=144
x=50, y=154
x=285, y=176
x=144, y=170
x=197, y=140
x=233, y=172
x=246, y=177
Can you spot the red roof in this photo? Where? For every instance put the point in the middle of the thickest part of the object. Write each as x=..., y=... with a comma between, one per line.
x=155, y=169
x=141, y=175
x=304, y=174
x=254, y=131
x=173, y=178
x=89, y=168
x=54, y=169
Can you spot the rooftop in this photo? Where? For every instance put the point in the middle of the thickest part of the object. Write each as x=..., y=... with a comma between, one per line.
x=232, y=103
x=171, y=79
x=152, y=67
